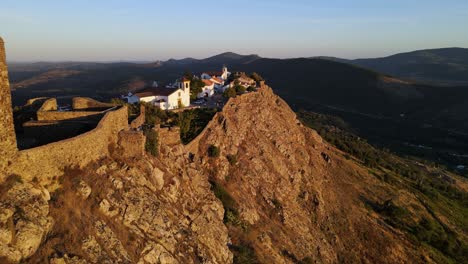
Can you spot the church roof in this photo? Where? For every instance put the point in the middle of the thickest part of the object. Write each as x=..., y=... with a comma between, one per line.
x=156, y=91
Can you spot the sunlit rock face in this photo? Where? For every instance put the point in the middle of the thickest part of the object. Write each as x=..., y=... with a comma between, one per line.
x=292, y=197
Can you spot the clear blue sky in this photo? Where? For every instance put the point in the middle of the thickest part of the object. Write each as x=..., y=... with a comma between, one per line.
x=105, y=30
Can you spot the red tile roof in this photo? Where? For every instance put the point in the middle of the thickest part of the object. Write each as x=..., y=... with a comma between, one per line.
x=207, y=82
x=218, y=80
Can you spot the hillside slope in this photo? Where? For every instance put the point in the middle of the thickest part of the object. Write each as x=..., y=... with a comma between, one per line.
x=290, y=196
x=284, y=195
x=440, y=66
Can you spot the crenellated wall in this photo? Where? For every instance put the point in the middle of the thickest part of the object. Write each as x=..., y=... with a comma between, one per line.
x=48, y=105
x=48, y=110
x=57, y=116
x=140, y=120
x=87, y=103
x=49, y=161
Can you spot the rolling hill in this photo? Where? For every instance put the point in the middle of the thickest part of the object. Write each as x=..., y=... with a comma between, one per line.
x=447, y=66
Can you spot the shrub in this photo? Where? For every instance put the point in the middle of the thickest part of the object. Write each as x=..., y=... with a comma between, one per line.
x=231, y=216
x=154, y=115
x=230, y=92
x=151, y=144
x=277, y=204
x=192, y=122
x=244, y=254
x=239, y=89
x=213, y=151
x=232, y=159
x=117, y=101
x=256, y=77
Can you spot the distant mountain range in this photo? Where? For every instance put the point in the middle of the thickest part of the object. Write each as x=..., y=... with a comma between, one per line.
x=447, y=66
x=223, y=58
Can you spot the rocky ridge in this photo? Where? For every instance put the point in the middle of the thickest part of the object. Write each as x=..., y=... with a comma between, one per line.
x=293, y=198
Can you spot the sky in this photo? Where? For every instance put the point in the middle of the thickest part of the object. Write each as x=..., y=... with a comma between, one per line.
x=144, y=30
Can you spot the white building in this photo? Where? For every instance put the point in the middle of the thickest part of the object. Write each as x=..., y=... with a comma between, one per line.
x=164, y=98
x=223, y=75
x=207, y=90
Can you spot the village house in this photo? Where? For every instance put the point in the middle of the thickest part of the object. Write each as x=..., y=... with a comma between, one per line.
x=222, y=76
x=166, y=98
x=208, y=90
x=218, y=78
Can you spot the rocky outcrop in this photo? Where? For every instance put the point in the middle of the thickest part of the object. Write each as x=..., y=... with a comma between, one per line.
x=299, y=198
x=137, y=211
x=24, y=219
x=7, y=130
x=275, y=189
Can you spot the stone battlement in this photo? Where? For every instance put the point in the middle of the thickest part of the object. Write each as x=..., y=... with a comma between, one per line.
x=47, y=162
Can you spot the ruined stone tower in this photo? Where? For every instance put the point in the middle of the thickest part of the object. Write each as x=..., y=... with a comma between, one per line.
x=7, y=130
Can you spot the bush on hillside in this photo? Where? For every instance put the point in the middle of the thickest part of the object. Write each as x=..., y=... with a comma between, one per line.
x=213, y=151
x=239, y=89
x=244, y=254
x=232, y=159
x=193, y=121
x=230, y=92
x=256, y=77
x=151, y=144
x=154, y=115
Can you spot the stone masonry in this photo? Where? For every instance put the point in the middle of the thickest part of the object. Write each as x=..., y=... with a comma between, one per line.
x=7, y=130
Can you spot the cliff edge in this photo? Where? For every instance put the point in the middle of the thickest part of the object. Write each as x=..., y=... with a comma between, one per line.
x=255, y=185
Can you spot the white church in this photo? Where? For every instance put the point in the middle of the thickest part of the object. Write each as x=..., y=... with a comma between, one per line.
x=166, y=98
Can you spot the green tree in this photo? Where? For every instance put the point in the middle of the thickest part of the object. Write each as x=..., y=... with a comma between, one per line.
x=196, y=87
x=154, y=115
x=185, y=123
x=230, y=92
x=251, y=89
x=151, y=144
x=239, y=89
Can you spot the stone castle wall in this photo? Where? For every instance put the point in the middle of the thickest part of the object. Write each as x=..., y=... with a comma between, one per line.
x=7, y=130
x=49, y=104
x=57, y=116
x=86, y=103
x=48, y=161
x=34, y=100
x=168, y=136
x=48, y=110
x=140, y=120
x=131, y=144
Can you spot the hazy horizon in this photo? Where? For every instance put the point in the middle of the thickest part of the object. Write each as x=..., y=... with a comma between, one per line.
x=200, y=58
x=112, y=31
